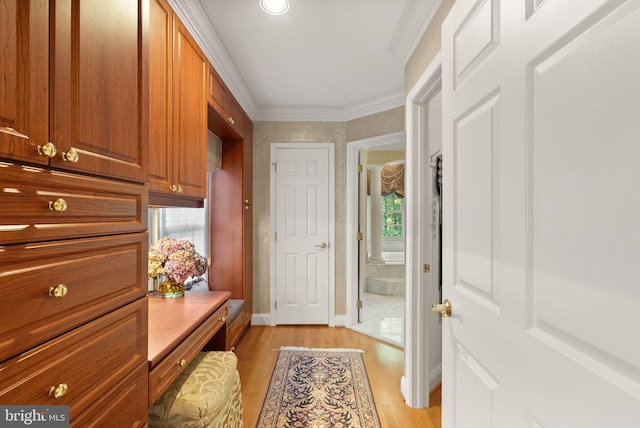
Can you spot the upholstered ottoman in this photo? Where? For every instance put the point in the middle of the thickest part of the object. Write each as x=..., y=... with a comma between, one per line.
x=206, y=394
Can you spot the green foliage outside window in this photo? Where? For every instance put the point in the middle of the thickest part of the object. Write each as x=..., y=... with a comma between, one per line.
x=392, y=216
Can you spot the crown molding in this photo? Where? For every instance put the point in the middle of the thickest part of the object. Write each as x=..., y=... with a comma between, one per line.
x=415, y=19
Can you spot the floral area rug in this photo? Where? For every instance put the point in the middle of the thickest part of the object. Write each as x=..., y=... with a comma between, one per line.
x=318, y=388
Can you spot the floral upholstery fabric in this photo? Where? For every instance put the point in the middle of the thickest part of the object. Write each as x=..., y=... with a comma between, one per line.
x=206, y=394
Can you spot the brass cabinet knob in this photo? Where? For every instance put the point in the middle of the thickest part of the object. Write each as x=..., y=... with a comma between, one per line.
x=182, y=362
x=70, y=156
x=48, y=150
x=246, y=201
x=445, y=308
x=59, y=205
x=59, y=291
x=231, y=120
x=58, y=391
x=175, y=189
x=223, y=319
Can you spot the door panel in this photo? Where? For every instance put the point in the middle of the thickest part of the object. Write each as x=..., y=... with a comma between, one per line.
x=541, y=236
x=302, y=225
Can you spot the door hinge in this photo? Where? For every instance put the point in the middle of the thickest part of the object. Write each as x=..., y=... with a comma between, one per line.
x=359, y=304
x=426, y=268
x=358, y=236
x=359, y=168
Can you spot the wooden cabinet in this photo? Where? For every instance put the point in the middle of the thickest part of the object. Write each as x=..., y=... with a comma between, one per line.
x=24, y=87
x=177, y=109
x=73, y=210
x=224, y=104
x=73, y=84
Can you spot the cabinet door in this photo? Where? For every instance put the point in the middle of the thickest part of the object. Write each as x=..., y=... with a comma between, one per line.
x=160, y=88
x=247, y=163
x=189, y=114
x=97, y=82
x=24, y=82
x=218, y=94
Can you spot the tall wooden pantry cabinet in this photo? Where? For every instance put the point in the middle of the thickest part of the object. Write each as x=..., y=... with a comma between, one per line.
x=73, y=208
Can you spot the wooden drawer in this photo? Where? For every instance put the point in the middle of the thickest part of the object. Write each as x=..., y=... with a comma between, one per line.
x=90, y=360
x=235, y=329
x=99, y=274
x=171, y=366
x=93, y=206
x=125, y=405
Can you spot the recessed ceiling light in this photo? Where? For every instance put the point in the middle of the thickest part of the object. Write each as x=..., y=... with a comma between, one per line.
x=274, y=7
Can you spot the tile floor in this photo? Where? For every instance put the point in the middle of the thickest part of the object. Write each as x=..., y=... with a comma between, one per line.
x=382, y=318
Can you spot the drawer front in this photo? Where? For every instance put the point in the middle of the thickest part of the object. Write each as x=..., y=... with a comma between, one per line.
x=39, y=204
x=172, y=365
x=89, y=360
x=125, y=405
x=98, y=275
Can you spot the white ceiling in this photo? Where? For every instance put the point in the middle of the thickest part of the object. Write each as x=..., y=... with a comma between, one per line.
x=322, y=60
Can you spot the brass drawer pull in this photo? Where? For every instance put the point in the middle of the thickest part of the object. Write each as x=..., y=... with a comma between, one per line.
x=71, y=156
x=182, y=363
x=59, y=205
x=58, y=391
x=59, y=291
x=223, y=319
x=48, y=150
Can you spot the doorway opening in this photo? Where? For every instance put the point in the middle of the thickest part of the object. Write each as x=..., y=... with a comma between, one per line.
x=376, y=247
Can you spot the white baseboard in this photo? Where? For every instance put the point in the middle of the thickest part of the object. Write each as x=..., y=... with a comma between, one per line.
x=261, y=319
x=435, y=377
x=265, y=319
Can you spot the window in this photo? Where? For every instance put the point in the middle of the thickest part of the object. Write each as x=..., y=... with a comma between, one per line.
x=392, y=216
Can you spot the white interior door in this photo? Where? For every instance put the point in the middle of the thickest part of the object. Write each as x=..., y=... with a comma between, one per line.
x=542, y=213
x=302, y=230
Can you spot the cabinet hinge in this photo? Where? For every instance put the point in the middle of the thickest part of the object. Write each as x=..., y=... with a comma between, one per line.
x=359, y=304
x=359, y=236
x=359, y=168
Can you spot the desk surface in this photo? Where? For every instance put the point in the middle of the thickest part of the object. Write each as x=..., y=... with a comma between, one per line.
x=172, y=320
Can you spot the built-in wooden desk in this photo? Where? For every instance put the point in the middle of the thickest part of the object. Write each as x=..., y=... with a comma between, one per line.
x=178, y=330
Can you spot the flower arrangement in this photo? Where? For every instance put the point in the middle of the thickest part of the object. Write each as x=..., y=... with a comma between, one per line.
x=177, y=260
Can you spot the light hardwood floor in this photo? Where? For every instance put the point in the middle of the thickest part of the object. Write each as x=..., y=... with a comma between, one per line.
x=257, y=353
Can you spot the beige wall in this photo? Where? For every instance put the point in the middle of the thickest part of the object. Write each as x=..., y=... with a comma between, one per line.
x=427, y=48
x=386, y=122
x=265, y=133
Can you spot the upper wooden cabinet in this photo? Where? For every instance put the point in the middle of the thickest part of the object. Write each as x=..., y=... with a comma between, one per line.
x=224, y=104
x=24, y=87
x=177, y=108
x=73, y=85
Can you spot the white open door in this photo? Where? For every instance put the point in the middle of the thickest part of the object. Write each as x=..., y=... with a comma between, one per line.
x=541, y=114
x=302, y=234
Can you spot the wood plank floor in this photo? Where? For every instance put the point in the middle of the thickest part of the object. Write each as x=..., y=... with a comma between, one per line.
x=257, y=353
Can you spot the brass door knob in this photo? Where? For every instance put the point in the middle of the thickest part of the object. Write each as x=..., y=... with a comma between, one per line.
x=59, y=291
x=445, y=308
x=70, y=156
x=321, y=245
x=48, y=150
x=58, y=391
x=59, y=205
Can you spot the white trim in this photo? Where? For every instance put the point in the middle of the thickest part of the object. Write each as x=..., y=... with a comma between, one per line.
x=261, y=319
x=351, y=215
x=415, y=19
x=332, y=239
x=414, y=388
